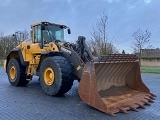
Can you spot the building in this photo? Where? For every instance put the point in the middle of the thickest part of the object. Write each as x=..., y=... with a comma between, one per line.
x=150, y=52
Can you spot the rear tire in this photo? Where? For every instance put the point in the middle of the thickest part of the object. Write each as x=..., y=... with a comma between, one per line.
x=16, y=73
x=56, y=75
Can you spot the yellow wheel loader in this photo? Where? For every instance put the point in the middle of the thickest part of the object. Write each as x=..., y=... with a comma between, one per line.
x=110, y=84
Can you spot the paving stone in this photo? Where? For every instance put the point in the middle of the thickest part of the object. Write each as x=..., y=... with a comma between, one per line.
x=31, y=103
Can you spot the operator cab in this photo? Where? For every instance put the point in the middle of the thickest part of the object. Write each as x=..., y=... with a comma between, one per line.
x=46, y=32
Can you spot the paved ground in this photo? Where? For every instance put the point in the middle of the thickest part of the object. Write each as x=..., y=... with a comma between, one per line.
x=30, y=103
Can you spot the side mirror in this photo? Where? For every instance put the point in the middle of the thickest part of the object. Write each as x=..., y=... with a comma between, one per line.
x=69, y=31
x=14, y=36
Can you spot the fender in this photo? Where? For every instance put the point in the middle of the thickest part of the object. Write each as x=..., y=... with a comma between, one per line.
x=16, y=53
x=47, y=54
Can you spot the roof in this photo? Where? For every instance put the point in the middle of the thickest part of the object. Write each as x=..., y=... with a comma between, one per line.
x=45, y=22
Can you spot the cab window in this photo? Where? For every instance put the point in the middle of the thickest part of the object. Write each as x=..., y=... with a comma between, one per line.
x=37, y=34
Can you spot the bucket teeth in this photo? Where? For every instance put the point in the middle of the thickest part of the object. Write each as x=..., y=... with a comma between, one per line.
x=153, y=95
x=140, y=105
x=148, y=95
x=123, y=110
x=152, y=98
x=146, y=102
x=149, y=98
x=133, y=108
x=151, y=101
x=112, y=114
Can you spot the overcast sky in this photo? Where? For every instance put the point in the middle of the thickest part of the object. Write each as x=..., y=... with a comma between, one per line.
x=125, y=17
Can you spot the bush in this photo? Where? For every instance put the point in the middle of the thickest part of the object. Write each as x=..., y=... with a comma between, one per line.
x=150, y=58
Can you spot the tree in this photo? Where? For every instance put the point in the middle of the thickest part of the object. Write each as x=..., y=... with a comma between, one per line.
x=20, y=36
x=141, y=38
x=8, y=42
x=99, y=42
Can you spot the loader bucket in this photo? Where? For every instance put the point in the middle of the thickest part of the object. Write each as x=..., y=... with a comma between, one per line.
x=113, y=87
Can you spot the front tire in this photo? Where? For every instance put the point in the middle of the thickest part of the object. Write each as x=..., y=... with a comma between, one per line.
x=56, y=75
x=16, y=73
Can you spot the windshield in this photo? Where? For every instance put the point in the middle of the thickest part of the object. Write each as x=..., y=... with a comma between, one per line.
x=55, y=32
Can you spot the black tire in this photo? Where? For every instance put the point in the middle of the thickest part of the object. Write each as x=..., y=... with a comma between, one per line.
x=20, y=75
x=63, y=75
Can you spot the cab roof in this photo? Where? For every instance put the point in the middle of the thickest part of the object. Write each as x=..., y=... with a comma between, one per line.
x=47, y=23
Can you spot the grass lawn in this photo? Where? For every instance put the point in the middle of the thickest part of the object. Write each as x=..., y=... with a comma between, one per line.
x=150, y=70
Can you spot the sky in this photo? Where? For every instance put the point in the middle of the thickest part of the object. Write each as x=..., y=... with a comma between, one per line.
x=124, y=18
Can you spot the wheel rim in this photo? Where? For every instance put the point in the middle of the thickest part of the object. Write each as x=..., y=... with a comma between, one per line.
x=13, y=73
x=49, y=76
